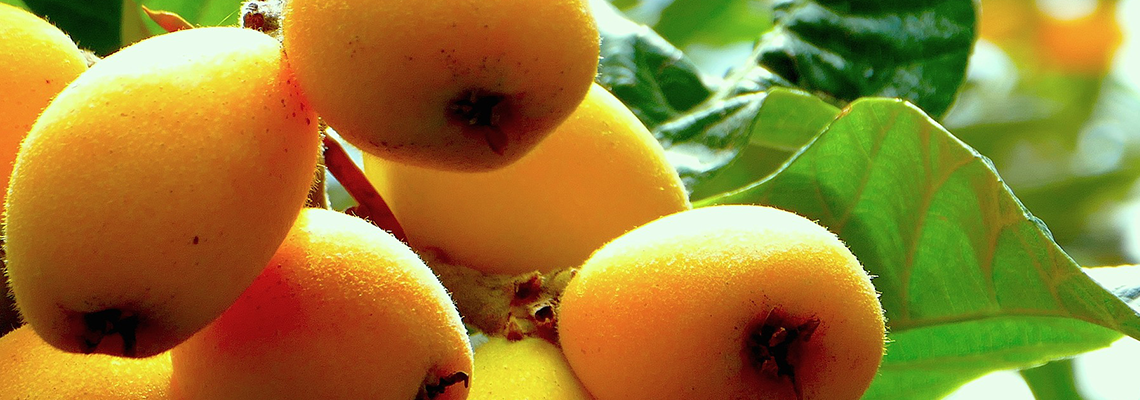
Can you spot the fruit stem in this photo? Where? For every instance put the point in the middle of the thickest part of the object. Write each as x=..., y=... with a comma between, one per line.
x=318, y=193
x=264, y=16
x=370, y=205
x=504, y=305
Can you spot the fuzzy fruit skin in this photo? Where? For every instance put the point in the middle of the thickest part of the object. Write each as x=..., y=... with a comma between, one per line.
x=37, y=60
x=159, y=184
x=599, y=175
x=671, y=305
x=528, y=369
x=385, y=74
x=343, y=311
x=34, y=369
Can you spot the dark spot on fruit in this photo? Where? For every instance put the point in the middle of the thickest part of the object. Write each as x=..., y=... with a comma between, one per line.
x=431, y=390
x=195, y=240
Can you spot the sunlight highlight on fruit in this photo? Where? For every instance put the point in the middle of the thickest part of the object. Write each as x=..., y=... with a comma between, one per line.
x=443, y=84
x=726, y=302
x=154, y=188
x=531, y=369
x=599, y=175
x=34, y=369
x=37, y=60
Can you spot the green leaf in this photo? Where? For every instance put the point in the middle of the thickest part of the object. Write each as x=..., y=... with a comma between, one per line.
x=792, y=120
x=625, y=4
x=93, y=24
x=930, y=362
x=1123, y=281
x=971, y=282
x=715, y=22
x=196, y=12
x=895, y=48
x=17, y=3
x=1052, y=381
x=133, y=26
x=199, y=12
x=647, y=73
x=728, y=143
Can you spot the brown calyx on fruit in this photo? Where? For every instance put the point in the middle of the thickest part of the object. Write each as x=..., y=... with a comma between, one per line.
x=435, y=385
x=509, y=306
x=481, y=109
x=263, y=16
x=109, y=322
x=772, y=346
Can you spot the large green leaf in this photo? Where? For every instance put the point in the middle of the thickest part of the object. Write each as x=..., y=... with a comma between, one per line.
x=915, y=50
x=971, y=282
x=1123, y=281
x=714, y=22
x=647, y=73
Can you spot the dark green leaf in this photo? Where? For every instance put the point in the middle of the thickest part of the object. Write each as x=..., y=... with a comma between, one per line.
x=93, y=24
x=727, y=144
x=895, y=48
x=715, y=22
x=970, y=281
x=647, y=73
x=703, y=142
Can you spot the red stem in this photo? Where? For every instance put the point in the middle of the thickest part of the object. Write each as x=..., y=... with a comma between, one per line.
x=370, y=205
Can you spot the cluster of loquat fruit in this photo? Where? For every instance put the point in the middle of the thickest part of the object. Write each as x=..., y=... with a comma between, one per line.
x=157, y=243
